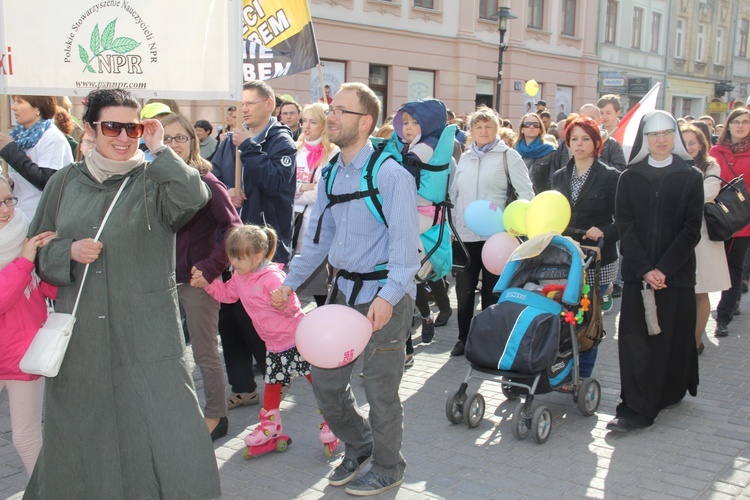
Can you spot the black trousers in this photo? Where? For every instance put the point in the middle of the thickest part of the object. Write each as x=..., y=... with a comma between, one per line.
x=241, y=344
x=466, y=285
x=736, y=249
x=441, y=297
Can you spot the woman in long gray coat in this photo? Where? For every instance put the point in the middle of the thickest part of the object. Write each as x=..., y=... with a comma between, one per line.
x=121, y=419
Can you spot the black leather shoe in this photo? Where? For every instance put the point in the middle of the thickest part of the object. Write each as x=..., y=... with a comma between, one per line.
x=458, y=349
x=619, y=424
x=443, y=317
x=221, y=429
x=626, y=424
x=721, y=330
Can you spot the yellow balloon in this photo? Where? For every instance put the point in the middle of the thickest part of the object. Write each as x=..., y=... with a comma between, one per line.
x=514, y=217
x=531, y=88
x=549, y=212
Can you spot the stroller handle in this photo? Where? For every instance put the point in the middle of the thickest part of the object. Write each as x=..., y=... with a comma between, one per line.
x=581, y=233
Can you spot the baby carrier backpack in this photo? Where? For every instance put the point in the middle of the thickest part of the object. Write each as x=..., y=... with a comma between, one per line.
x=431, y=179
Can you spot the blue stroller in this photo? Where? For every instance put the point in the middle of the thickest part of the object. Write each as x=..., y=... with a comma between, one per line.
x=530, y=340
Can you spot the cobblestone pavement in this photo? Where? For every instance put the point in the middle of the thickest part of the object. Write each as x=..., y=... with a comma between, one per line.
x=698, y=450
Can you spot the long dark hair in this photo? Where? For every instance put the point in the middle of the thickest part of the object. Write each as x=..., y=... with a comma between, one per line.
x=702, y=159
x=726, y=136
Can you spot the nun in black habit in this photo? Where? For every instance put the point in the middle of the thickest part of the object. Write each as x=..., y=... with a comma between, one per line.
x=658, y=213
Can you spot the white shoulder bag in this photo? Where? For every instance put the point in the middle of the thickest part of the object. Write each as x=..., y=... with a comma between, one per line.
x=46, y=352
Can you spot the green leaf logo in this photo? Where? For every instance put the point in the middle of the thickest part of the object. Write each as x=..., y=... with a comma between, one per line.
x=108, y=34
x=103, y=42
x=123, y=45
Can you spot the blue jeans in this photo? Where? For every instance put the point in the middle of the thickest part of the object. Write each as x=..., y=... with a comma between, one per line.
x=382, y=434
x=587, y=360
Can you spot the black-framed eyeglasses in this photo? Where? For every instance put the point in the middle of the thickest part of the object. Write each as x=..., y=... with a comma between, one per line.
x=113, y=129
x=10, y=202
x=338, y=112
x=532, y=124
x=176, y=138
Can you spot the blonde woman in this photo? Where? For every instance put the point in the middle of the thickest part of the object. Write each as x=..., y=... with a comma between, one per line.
x=314, y=150
x=536, y=154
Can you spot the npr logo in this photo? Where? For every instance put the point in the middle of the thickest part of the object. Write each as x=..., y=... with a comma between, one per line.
x=6, y=63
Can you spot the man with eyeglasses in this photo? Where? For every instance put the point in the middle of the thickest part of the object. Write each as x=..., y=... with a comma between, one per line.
x=289, y=114
x=265, y=197
x=357, y=244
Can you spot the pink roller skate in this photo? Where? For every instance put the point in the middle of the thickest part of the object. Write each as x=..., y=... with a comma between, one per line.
x=267, y=436
x=329, y=440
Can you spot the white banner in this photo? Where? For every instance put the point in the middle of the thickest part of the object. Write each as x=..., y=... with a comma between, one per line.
x=179, y=49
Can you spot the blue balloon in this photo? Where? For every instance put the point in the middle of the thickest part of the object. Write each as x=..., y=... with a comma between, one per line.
x=484, y=218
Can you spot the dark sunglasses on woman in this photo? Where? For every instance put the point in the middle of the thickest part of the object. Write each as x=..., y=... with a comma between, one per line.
x=113, y=129
x=532, y=125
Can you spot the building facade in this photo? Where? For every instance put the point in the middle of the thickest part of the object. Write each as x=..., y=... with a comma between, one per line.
x=633, y=42
x=448, y=49
x=700, y=56
x=740, y=48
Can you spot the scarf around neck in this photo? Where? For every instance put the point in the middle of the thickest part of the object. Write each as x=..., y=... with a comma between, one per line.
x=27, y=138
x=535, y=150
x=314, y=153
x=102, y=168
x=479, y=152
x=11, y=245
x=738, y=147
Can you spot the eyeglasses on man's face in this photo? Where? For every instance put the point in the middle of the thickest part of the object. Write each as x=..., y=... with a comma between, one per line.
x=338, y=112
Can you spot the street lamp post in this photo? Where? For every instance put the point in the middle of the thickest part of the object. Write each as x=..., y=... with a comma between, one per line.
x=503, y=15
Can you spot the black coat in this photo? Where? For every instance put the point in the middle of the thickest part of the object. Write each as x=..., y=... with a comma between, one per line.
x=613, y=155
x=595, y=206
x=659, y=213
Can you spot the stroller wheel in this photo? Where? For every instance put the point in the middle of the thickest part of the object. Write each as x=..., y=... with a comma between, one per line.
x=518, y=424
x=509, y=393
x=454, y=407
x=541, y=424
x=589, y=397
x=473, y=409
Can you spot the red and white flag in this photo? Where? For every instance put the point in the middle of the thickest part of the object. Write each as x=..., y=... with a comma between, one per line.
x=628, y=126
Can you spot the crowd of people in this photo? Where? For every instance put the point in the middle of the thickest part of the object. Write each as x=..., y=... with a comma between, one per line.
x=196, y=247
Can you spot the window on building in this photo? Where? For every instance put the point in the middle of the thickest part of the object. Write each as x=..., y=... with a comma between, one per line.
x=655, y=31
x=744, y=27
x=637, y=28
x=611, y=29
x=536, y=14
x=487, y=9
x=378, y=82
x=427, y=4
x=700, y=43
x=679, y=39
x=421, y=84
x=719, y=48
x=569, y=17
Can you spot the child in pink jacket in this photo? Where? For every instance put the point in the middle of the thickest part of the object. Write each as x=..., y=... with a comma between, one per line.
x=250, y=249
x=23, y=311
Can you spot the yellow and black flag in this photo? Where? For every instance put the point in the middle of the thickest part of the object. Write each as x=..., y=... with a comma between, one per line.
x=278, y=39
